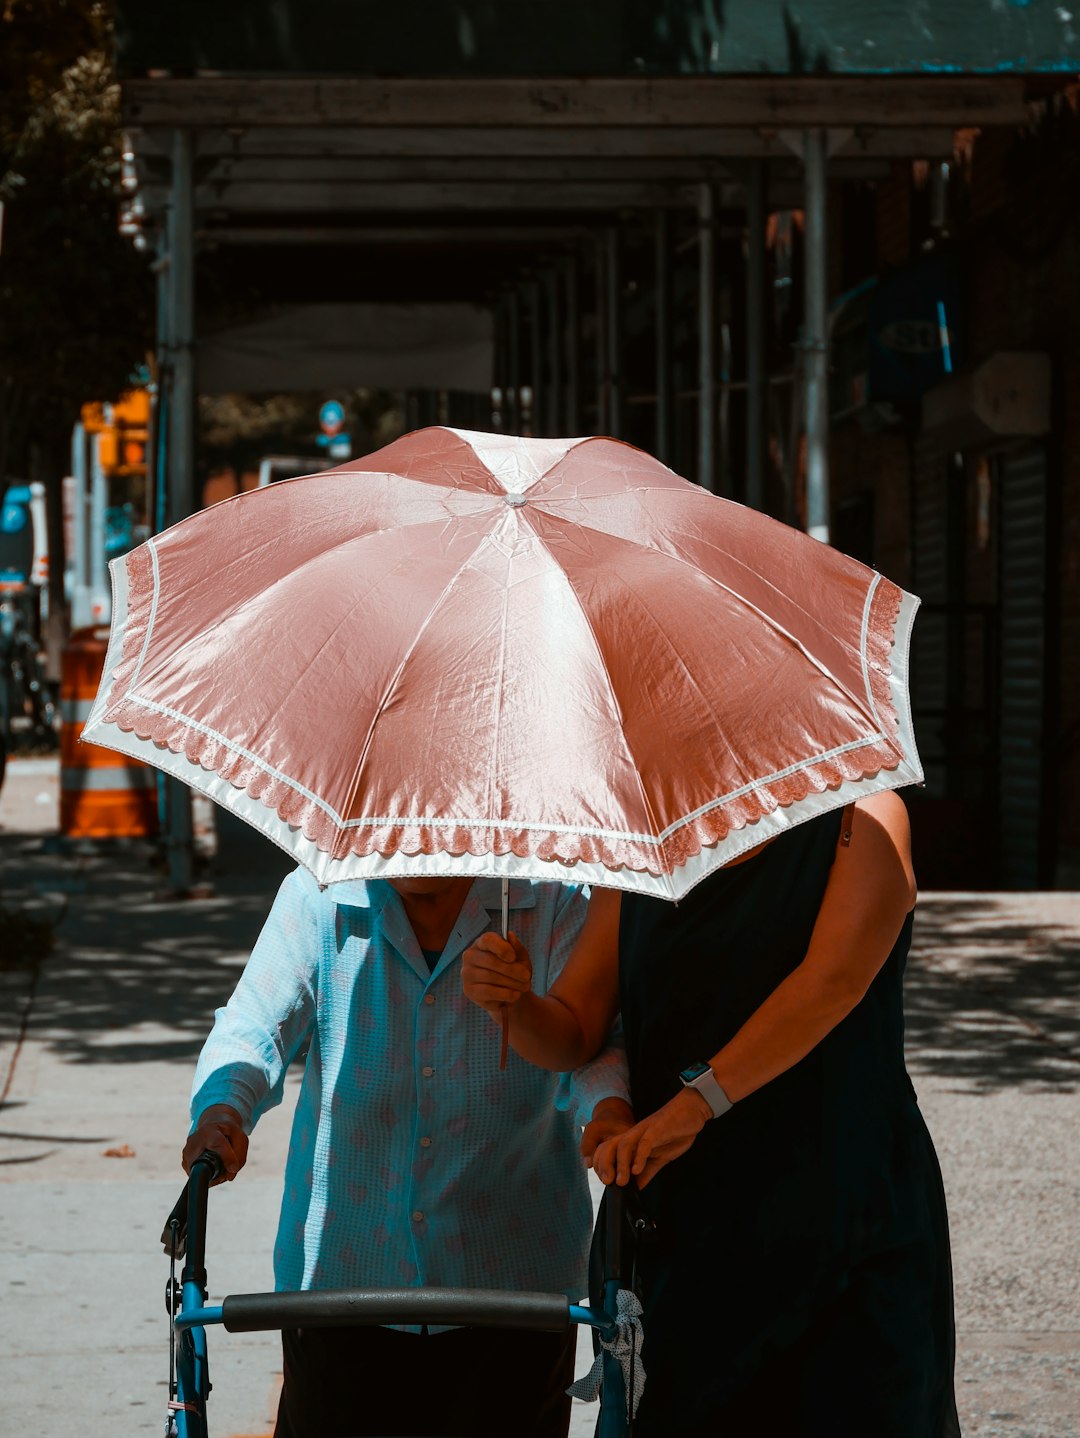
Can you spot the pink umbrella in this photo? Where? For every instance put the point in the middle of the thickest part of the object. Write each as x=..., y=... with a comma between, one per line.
x=481, y=654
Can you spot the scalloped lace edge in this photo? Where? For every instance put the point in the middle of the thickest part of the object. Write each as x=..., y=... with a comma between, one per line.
x=689, y=838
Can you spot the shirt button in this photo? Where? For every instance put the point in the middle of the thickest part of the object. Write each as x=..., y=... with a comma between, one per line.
x=429, y=998
x=427, y=1070
x=418, y=1215
x=425, y=1143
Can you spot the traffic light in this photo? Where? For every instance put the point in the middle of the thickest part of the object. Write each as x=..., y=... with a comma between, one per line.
x=131, y=416
x=123, y=429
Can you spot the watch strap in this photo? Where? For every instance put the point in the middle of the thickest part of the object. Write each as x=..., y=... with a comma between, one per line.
x=701, y=1077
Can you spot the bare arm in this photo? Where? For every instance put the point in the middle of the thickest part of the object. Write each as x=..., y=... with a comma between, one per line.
x=241, y=1068
x=871, y=888
x=566, y=1027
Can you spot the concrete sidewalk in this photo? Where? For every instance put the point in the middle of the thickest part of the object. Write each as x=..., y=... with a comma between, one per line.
x=97, y=1049
x=97, y=1046
x=993, y=1022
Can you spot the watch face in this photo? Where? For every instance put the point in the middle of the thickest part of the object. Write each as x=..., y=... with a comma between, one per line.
x=694, y=1071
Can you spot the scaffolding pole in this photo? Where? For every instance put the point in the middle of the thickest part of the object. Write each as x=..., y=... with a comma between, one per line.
x=513, y=362
x=815, y=336
x=536, y=357
x=663, y=335
x=573, y=345
x=180, y=496
x=706, y=465
x=554, y=390
x=613, y=316
x=755, y=335
x=603, y=422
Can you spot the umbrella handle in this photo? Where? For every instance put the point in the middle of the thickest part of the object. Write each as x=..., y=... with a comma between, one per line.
x=505, y=1041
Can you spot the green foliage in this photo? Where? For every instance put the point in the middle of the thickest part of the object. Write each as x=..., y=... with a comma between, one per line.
x=39, y=39
x=76, y=299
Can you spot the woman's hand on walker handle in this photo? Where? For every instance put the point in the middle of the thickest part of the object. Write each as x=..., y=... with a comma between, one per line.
x=221, y=1130
x=610, y=1119
x=642, y=1151
x=495, y=972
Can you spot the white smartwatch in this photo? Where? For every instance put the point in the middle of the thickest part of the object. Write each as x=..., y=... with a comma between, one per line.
x=701, y=1077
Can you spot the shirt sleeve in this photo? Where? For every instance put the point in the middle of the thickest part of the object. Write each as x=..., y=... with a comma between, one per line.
x=270, y=1015
x=606, y=1075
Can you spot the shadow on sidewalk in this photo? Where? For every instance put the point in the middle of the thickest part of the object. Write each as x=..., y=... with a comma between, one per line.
x=992, y=992
x=992, y=995
x=134, y=976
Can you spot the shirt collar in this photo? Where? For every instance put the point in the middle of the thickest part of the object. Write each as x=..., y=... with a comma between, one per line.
x=483, y=903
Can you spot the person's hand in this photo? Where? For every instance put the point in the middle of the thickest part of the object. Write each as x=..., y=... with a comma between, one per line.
x=642, y=1151
x=495, y=972
x=610, y=1118
x=221, y=1130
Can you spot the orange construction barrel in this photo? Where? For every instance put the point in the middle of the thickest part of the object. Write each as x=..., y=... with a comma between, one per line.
x=103, y=794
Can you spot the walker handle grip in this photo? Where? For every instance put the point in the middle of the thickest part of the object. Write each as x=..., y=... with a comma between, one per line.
x=207, y=1161
x=368, y=1307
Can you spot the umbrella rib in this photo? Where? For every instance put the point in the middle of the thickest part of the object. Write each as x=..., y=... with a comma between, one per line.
x=500, y=690
x=257, y=595
x=647, y=803
x=669, y=641
x=550, y=506
x=739, y=599
x=391, y=686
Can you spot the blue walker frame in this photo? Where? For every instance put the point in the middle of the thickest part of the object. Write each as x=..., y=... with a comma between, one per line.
x=191, y=1315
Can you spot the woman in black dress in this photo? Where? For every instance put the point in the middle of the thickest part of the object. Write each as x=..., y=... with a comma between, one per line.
x=799, y=1281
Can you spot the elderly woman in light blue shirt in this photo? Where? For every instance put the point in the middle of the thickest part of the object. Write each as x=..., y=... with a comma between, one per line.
x=413, y=1160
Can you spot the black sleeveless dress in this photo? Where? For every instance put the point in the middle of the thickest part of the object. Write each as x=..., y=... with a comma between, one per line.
x=798, y=1281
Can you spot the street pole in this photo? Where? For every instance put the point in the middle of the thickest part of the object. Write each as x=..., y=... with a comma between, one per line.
x=99, y=502
x=80, y=519
x=181, y=435
x=815, y=336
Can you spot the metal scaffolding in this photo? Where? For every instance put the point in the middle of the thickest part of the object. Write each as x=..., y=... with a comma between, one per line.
x=568, y=207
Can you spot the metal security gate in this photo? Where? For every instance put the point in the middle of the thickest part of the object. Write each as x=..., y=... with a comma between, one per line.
x=1021, y=476
x=954, y=678
x=929, y=644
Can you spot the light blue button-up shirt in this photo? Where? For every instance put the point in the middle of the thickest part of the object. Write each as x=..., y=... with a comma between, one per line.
x=413, y=1159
